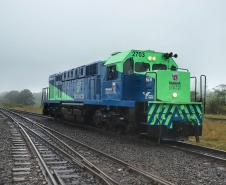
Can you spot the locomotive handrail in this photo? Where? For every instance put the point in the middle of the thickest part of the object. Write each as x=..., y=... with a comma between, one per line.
x=152, y=72
x=194, y=77
x=45, y=94
x=201, y=93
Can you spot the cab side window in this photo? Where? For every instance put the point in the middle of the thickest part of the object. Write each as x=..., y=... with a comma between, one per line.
x=142, y=67
x=159, y=67
x=112, y=73
x=128, y=66
x=173, y=68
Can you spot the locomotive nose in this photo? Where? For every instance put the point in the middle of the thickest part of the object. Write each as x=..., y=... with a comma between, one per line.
x=173, y=86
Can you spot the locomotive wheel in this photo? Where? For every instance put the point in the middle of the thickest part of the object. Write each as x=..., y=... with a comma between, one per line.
x=98, y=119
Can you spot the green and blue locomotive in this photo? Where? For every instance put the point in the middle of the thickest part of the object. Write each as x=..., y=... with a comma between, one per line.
x=131, y=90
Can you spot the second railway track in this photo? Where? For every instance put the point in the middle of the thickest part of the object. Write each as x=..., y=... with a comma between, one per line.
x=113, y=170
x=210, y=153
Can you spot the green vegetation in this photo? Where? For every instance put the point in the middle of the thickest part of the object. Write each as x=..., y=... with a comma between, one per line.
x=214, y=131
x=23, y=100
x=215, y=116
x=34, y=108
x=214, y=134
x=216, y=100
x=24, y=97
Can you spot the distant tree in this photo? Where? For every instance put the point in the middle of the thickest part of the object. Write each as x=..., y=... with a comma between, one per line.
x=26, y=97
x=216, y=100
x=214, y=106
x=220, y=92
x=12, y=97
x=37, y=98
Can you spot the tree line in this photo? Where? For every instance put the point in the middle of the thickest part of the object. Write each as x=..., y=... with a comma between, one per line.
x=216, y=100
x=24, y=97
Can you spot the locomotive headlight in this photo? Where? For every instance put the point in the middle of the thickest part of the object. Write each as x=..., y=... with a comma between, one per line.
x=174, y=94
x=149, y=57
x=152, y=58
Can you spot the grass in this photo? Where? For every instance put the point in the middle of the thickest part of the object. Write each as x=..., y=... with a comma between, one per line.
x=28, y=108
x=213, y=135
x=217, y=116
x=35, y=109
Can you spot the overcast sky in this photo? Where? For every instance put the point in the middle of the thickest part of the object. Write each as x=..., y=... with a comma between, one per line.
x=38, y=38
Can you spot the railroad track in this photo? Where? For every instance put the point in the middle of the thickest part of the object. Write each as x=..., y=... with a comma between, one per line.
x=30, y=113
x=60, y=166
x=116, y=171
x=210, y=153
x=24, y=163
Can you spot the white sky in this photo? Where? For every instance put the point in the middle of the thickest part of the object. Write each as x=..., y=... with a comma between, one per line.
x=41, y=37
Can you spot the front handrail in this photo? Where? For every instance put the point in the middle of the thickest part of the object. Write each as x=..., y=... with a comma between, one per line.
x=45, y=94
x=203, y=99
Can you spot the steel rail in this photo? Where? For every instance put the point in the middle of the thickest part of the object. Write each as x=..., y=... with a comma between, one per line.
x=135, y=169
x=107, y=179
x=84, y=163
x=206, y=152
x=31, y=113
x=28, y=138
x=210, y=153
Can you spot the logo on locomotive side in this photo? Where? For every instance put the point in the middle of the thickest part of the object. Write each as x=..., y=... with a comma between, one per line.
x=175, y=77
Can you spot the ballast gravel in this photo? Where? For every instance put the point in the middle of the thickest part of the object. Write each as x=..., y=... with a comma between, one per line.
x=173, y=165
x=6, y=161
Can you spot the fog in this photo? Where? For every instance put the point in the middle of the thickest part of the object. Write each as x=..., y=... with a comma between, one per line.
x=39, y=38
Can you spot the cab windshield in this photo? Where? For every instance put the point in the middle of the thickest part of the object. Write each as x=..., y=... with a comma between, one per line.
x=142, y=67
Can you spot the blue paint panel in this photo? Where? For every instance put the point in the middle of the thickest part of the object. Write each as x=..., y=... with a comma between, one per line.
x=108, y=103
x=97, y=90
x=111, y=103
x=112, y=90
x=135, y=87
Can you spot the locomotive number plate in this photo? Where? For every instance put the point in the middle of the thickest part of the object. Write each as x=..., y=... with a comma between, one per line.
x=138, y=54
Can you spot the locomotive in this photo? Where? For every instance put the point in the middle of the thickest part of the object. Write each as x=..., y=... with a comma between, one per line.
x=140, y=90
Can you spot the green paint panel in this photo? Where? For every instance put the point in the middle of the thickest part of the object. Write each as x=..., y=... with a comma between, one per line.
x=173, y=86
x=117, y=58
x=56, y=94
x=147, y=56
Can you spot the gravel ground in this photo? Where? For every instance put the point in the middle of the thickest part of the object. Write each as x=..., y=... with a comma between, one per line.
x=6, y=161
x=34, y=176
x=173, y=165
